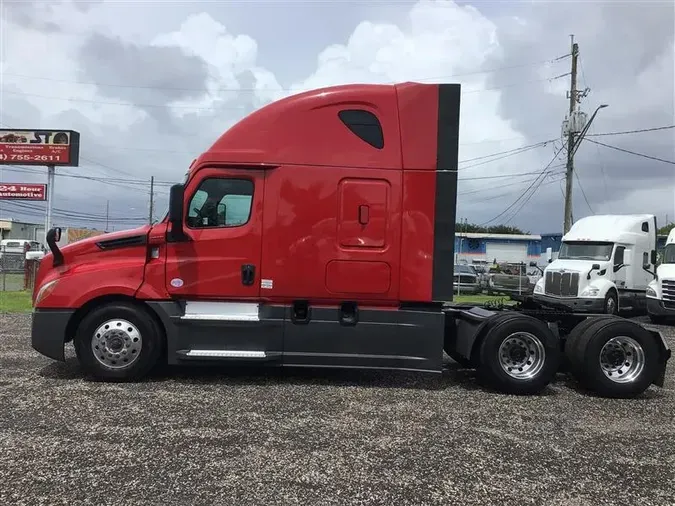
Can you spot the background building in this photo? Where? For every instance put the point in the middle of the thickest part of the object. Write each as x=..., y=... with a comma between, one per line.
x=481, y=247
x=12, y=229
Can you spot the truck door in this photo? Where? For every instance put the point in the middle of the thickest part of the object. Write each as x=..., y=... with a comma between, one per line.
x=217, y=272
x=620, y=267
x=223, y=218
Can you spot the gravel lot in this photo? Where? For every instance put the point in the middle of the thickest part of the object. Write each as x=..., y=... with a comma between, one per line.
x=260, y=437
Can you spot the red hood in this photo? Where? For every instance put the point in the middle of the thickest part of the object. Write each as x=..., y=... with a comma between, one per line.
x=89, y=242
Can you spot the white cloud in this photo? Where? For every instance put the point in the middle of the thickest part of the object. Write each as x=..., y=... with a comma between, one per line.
x=507, y=102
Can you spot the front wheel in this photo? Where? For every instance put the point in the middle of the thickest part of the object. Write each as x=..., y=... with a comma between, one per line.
x=611, y=305
x=519, y=355
x=118, y=342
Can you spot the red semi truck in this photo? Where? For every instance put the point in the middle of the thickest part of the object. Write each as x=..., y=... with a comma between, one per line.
x=318, y=232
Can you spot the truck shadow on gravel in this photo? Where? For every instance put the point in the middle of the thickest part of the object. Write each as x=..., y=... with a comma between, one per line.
x=454, y=376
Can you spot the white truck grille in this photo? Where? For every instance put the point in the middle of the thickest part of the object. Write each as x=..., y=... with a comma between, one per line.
x=668, y=290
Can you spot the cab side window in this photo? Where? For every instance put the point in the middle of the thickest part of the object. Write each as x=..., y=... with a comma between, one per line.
x=618, y=257
x=221, y=202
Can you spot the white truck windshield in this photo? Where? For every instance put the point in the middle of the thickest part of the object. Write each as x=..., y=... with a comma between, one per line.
x=669, y=254
x=585, y=250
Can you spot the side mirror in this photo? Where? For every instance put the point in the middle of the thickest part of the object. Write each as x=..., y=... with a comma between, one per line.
x=594, y=267
x=53, y=236
x=653, y=257
x=533, y=264
x=176, y=195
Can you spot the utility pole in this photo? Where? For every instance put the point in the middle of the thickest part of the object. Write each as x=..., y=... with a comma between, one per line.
x=570, y=140
x=152, y=196
x=107, y=214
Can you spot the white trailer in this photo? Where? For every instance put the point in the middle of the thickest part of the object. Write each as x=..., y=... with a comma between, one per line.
x=661, y=290
x=604, y=265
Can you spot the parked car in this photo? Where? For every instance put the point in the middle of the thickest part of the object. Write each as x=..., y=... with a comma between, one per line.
x=466, y=280
x=509, y=279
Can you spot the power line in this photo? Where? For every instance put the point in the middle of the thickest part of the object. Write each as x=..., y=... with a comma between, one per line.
x=632, y=131
x=508, y=193
x=515, y=150
x=542, y=173
x=523, y=150
x=632, y=152
x=483, y=189
x=576, y=174
x=196, y=108
x=516, y=174
x=234, y=89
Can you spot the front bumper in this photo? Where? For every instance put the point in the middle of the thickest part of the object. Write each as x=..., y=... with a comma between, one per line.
x=463, y=288
x=576, y=304
x=48, y=331
x=656, y=307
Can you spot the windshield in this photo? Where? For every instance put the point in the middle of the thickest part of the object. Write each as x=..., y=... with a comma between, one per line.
x=585, y=250
x=669, y=254
x=463, y=269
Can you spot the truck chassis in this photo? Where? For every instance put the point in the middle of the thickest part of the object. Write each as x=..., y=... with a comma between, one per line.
x=515, y=351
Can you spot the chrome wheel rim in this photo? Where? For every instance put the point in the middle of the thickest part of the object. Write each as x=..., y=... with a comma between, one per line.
x=622, y=359
x=610, y=307
x=116, y=344
x=522, y=355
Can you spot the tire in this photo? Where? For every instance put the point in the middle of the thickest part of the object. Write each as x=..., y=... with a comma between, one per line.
x=602, y=345
x=575, y=345
x=611, y=304
x=511, y=338
x=135, y=342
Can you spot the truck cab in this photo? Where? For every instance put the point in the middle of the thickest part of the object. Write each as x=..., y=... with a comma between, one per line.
x=661, y=290
x=604, y=265
x=316, y=231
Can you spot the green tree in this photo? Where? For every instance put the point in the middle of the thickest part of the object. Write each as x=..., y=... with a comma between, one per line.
x=665, y=229
x=494, y=229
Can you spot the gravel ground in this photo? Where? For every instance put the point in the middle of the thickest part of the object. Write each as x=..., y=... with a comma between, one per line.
x=259, y=437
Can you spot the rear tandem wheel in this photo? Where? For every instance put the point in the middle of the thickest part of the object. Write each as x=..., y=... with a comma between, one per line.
x=518, y=354
x=613, y=356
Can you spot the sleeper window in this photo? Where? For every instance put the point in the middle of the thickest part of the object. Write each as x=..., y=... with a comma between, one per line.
x=363, y=124
x=221, y=202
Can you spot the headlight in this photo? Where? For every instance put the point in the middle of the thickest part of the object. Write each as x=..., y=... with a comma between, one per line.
x=590, y=292
x=651, y=293
x=538, y=289
x=45, y=290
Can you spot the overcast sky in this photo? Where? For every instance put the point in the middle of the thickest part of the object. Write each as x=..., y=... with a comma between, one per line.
x=150, y=84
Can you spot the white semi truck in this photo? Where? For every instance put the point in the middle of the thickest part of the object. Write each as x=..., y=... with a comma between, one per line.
x=661, y=291
x=604, y=265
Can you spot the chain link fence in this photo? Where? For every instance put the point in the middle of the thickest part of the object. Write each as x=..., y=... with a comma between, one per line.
x=16, y=273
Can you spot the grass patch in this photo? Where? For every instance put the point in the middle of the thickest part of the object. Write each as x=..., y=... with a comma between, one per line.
x=482, y=299
x=16, y=302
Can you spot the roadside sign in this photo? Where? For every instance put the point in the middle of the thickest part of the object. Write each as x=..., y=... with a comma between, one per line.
x=23, y=191
x=39, y=147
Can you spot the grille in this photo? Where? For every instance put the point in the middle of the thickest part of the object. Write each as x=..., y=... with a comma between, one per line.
x=562, y=284
x=668, y=290
x=465, y=279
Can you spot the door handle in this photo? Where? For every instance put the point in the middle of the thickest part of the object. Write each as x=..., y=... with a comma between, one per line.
x=247, y=274
x=364, y=214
